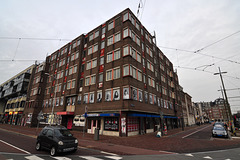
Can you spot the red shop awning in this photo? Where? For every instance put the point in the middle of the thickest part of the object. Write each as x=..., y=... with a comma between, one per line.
x=65, y=113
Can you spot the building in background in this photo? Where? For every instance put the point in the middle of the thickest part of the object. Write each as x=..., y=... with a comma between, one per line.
x=199, y=114
x=13, y=96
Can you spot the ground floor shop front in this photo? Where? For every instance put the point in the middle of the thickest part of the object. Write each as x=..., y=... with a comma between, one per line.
x=129, y=124
x=112, y=124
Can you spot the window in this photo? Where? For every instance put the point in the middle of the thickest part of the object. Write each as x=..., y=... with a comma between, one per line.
x=150, y=98
x=163, y=79
x=126, y=93
x=108, y=95
x=151, y=82
x=79, y=99
x=116, y=72
x=113, y=74
x=90, y=80
x=136, y=55
x=61, y=101
x=125, y=17
x=150, y=66
x=125, y=70
x=91, y=97
x=102, y=44
x=99, y=96
x=91, y=64
x=78, y=42
x=85, y=98
x=114, y=55
x=126, y=50
x=71, y=84
x=116, y=94
x=140, y=95
x=126, y=32
x=100, y=77
x=102, y=60
x=110, y=25
x=117, y=37
x=62, y=62
x=72, y=69
x=113, y=39
x=74, y=56
x=110, y=41
x=103, y=30
x=112, y=94
x=134, y=94
x=92, y=49
x=111, y=124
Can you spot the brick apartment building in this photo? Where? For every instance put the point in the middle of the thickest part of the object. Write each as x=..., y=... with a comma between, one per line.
x=115, y=75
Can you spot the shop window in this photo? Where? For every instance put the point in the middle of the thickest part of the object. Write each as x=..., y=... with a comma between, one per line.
x=111, y=123
x=132, y=124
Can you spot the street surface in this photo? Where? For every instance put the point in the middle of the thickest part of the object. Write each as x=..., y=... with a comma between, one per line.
x=14, y=146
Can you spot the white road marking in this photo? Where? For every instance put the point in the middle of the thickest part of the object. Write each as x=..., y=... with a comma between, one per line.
x=113, y=154
x=227, y=159
x=90, y=158
x=15, y=147
x=113, y=157
x=207, y=157
x=61, y=158
x=189, y=155
x=196, y=131
x=168, y=152
x=33, y=158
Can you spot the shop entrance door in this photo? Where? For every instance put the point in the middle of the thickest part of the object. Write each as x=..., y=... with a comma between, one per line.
x=69, y=124
x=95, y=124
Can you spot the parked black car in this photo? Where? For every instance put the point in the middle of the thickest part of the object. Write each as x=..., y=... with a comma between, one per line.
x=56, y=139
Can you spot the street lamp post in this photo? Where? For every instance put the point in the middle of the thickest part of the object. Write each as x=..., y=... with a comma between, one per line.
x=51, y=121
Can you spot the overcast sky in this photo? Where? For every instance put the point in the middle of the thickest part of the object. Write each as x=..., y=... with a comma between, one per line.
x=189, y=25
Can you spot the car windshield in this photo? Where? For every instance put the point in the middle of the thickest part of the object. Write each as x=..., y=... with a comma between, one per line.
x=218, y=128
x=63, y=132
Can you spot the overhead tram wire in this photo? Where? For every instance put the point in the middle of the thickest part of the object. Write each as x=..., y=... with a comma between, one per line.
x=199, y=50
x=217, y=41
x=41, y=39
x=183, y=50
x=196, y=69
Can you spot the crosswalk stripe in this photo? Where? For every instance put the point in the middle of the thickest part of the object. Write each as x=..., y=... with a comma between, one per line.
x=33, y=158
x=61, y=158
x=90, y=158
x=207, y=157
x=189, y=155
x=113, y=157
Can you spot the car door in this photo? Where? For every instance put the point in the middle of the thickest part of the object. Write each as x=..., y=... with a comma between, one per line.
x=49, y=139
x=42, y=138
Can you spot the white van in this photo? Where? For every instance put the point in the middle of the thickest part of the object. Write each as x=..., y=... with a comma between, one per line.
x=79, y=120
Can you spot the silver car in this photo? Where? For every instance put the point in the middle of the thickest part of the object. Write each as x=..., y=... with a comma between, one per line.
x=219, y=131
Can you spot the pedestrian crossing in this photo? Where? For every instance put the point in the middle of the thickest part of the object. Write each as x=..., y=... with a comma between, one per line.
x=47, y=157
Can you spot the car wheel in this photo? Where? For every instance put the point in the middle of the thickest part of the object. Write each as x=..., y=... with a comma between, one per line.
x=53, y=151
x=38, y=146
x=74, y=150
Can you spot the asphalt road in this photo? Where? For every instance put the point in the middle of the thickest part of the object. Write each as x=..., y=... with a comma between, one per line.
x=14, y=146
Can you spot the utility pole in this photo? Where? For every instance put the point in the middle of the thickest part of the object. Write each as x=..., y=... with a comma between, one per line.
x=225, y=94
x=225, y=107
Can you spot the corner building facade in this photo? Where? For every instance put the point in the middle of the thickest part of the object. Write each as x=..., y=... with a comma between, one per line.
x=116, y=76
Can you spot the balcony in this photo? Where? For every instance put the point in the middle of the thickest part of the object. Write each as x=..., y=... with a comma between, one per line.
x=70, y=108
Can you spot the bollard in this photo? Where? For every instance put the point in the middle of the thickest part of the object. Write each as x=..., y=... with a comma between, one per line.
x=96, y=134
